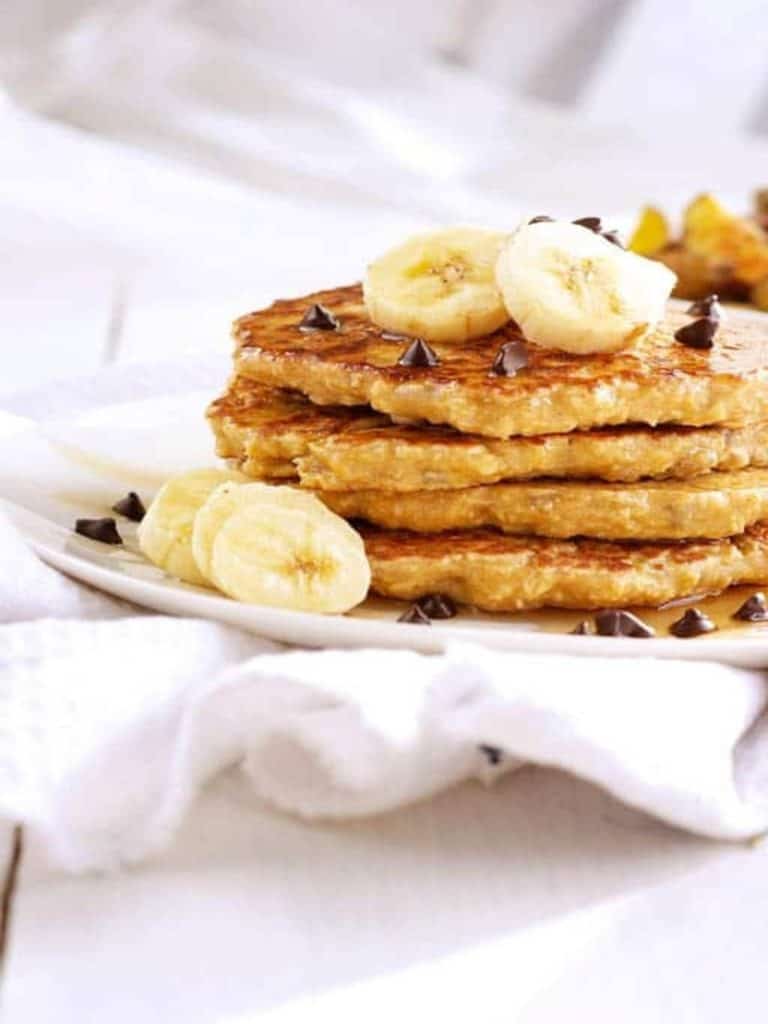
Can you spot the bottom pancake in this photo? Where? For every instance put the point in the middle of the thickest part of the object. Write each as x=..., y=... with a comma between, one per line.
x=495, y=572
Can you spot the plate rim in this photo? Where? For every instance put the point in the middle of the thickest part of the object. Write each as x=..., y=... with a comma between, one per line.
x=346, y=631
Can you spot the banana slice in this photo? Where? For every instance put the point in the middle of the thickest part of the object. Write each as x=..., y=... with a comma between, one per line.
x=439, y=286
x=165, y=533
x=568, y=288
x=225, y=500
x=280, y=547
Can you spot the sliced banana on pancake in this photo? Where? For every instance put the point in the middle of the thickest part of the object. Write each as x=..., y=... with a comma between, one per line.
x=279, y=547
x=569, y=288
x=439, y=286
x=165, y=533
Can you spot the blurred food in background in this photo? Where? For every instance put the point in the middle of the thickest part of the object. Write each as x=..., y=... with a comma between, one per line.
x=715, y=250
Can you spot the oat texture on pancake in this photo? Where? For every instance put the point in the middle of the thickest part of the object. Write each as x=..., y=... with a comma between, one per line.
x=656, y=380
x=273, y=433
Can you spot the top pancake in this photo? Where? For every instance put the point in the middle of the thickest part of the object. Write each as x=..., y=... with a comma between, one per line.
x=657, y=380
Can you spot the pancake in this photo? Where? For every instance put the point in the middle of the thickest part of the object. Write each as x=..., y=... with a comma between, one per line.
x=710, y=506
x=273, y=433
x=658, y=380
x=500, y=573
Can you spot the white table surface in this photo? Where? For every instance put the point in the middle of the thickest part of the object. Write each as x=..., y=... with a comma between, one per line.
x=540, y=900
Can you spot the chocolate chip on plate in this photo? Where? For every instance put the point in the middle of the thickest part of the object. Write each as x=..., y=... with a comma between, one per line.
x=754, y=609
x=591, y=223
x=542, y=219
x=692, y=623
x=415, y=616
x=131, y=506
x=613, y=237
x=710, y=306
x=318, y=318
x=616, y=622
x=104, y=530
x=699, y=334
x=511, y=357
x=495, y=755
x=418, y=354
x=437, y=606
x=584, y=628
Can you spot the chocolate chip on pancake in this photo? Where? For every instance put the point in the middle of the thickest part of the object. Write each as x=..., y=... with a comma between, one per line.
x=590, y=223
x=418, y=354
x=131, y=506
x=541, y=219
x=318, y=318
x=415, y=616
x=511, y=357
x=437, y=606
x=692, y=623
x=613, y=237
x=617, y=622
x=709, y=307
x=104, y=530
x=700, y=334
x=754, y=609
x=584, y=628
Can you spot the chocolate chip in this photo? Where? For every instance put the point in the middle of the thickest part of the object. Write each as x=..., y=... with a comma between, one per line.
x=584, y=628
x=591, y=223
x=495, y=755
x=692, y=623
x=511, y=357
x=437, y=606
x=613, y=238
x=131, y=506
x=415, y=616
x=542, y=219
x=754, y=609
x=418, y=354
x=104, y=530
x=616, y=622
x=699, y=334
x=318, y=318
x=710, y=307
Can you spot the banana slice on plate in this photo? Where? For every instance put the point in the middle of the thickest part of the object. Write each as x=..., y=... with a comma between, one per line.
x=569, y=288
x=280, y=547
x=225, y=500
x=165, y=533
x=439, y=286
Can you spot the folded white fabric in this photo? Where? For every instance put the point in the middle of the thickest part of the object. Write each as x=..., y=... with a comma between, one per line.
x=111, y=720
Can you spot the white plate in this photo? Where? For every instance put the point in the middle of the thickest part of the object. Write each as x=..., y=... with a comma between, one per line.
x=53, y=474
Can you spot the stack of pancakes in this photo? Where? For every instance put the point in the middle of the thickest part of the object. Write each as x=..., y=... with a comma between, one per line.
x=608, y=480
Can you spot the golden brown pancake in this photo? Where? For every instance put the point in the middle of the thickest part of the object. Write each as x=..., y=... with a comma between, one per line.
x=273, y=433
x=657, y=380
x=502, y=573
x=710, y=506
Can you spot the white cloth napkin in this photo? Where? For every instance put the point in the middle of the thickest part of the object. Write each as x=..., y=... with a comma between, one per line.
x=111, y=720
